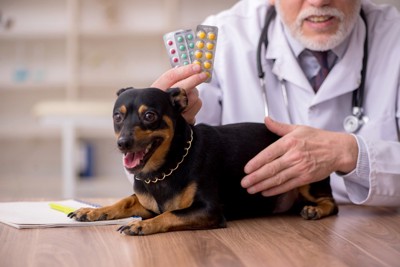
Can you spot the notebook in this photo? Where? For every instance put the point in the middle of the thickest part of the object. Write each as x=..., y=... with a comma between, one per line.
x=39, y=214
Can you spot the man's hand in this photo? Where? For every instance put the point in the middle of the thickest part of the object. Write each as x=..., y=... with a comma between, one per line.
x=187, y=78
x=303, y=155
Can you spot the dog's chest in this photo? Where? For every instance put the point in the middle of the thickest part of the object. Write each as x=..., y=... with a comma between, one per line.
x=161, y=201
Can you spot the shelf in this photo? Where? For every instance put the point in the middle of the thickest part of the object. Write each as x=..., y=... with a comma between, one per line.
x=111, y=84
x=31, y=86
x=121, y=34
x=32, y=36
x=32, y=131
x=25, y=129
x=134, y=81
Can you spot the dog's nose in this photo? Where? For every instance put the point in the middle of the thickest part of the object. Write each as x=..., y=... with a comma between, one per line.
x=124, y=143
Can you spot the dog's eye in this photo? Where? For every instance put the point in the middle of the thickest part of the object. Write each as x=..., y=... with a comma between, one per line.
x=150, y=116
x=117, y=117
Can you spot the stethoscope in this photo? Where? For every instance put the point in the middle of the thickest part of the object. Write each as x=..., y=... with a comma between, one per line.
x=351, y=123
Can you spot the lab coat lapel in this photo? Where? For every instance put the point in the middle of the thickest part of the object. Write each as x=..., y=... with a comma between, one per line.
x=285, y=65
x=345, y=76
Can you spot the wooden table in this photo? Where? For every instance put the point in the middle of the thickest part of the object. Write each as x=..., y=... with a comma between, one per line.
x=358, y=236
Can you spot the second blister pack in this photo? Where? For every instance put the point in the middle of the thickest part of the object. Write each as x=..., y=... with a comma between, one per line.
x=186, y=47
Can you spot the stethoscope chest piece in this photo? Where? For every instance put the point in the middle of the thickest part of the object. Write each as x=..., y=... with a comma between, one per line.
x=352, y=124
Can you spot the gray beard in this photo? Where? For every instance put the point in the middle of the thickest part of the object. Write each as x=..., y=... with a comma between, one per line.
x=345, y=27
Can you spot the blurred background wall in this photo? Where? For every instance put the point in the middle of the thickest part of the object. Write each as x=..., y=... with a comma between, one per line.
x=77, y=52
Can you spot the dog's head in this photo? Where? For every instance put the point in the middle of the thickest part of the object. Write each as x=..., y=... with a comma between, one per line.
x=144, y=124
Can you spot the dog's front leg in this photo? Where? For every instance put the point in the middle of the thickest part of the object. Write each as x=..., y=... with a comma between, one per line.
x=127, y=207
x=184, y=219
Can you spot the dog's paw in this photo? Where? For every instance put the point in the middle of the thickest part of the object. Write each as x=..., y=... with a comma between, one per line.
x=137, y=228
x=88, y=215
x=311, y=213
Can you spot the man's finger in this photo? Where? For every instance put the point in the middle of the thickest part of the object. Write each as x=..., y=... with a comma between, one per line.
x=272, y=152
x=278, y=128
x=189, y=84
x=190, y=113
x=173, y=76
x=283, y=188
x=277, y=180
x=264, y=173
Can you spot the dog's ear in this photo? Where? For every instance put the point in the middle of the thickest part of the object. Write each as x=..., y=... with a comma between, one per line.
x=120, y=91
x=178, y=98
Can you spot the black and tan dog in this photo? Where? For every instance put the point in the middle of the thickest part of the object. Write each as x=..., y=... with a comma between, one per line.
x=188, y=177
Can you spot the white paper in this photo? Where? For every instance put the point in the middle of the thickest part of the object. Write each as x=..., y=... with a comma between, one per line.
x=40, y=215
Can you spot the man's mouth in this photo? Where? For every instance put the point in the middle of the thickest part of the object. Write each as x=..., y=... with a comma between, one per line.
x=319, y=19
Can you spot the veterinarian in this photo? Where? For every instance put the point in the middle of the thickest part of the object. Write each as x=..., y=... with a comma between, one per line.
x=335, y=128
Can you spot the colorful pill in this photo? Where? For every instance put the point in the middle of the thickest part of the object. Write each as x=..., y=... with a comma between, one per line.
x=179, y=39
x=191, y=45
x=184, y=56
x=211, y=36
x=189, y=37
x=209, y=55
x=175, y=60
x=172, y=51
x=198, y=54
x=207, y=65
x=170, y=42
x=210, y=46
x=197, y=62
x=201, y=34
x=182, y=48
x=200, y=44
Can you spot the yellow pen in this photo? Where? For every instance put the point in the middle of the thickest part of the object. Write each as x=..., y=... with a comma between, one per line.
x=62, y=208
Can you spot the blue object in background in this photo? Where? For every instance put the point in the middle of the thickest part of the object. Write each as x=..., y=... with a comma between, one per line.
x=87, y=156
x=21, y=75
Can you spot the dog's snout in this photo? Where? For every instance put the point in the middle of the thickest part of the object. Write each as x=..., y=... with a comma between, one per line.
x=124, y=143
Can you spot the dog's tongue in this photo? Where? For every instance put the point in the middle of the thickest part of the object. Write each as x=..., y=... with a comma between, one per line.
x=131, y=160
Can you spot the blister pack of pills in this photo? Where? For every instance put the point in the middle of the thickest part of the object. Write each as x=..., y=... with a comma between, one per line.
x=186, y=47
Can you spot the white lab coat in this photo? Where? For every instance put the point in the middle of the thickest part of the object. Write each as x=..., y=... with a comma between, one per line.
x=234, y=95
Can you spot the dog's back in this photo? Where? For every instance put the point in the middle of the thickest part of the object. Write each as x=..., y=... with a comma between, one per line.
x=228, y=149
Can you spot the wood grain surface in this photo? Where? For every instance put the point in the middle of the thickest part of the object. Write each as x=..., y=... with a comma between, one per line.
x=358, y=236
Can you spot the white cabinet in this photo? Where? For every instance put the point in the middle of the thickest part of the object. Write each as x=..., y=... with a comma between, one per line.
x=78, y=51
x=83, y=50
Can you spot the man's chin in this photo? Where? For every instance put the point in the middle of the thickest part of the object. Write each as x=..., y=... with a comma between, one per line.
x=321, y=42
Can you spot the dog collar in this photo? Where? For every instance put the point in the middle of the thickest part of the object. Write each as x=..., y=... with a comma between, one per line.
x=166, y=174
